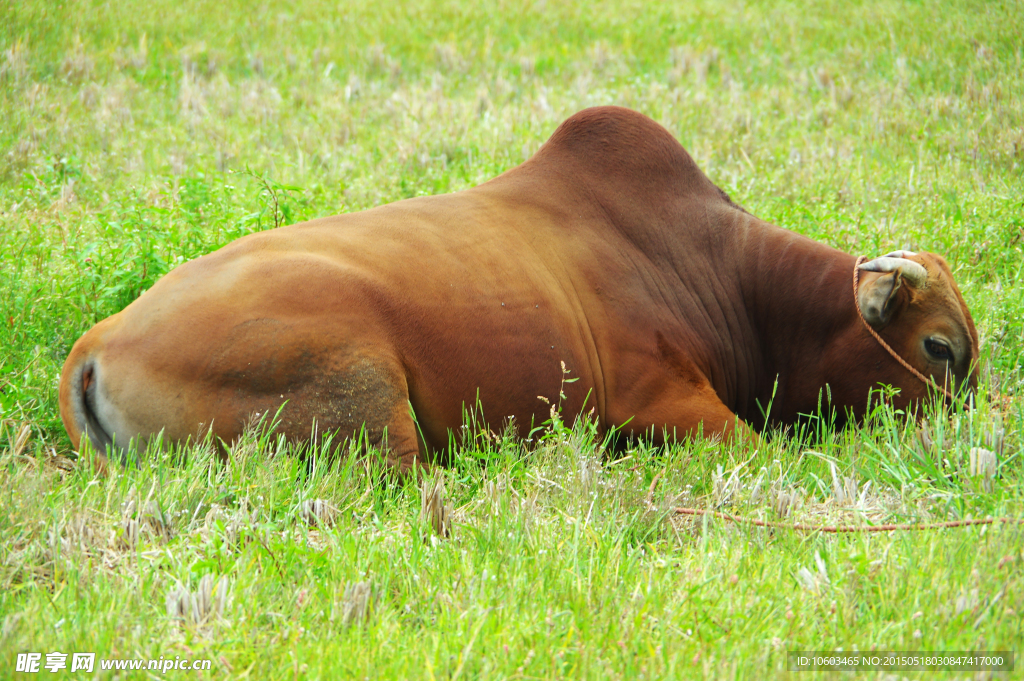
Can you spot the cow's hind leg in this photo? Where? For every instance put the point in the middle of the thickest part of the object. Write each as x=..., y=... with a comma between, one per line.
x=361, y=397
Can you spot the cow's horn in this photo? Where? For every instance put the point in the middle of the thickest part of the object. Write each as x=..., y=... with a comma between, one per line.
x=899, y=254
x=915, y=273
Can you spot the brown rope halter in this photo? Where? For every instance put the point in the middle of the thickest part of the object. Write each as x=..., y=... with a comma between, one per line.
x=856, y=302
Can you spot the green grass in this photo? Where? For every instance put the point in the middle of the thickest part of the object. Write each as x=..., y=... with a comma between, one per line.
x=134, y=136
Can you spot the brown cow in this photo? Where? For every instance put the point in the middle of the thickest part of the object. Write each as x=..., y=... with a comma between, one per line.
x=608, y=250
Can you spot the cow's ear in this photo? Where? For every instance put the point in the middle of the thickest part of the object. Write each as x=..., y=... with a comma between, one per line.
x=877, y=296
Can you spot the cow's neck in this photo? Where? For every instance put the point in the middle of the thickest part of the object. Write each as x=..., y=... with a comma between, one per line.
x=798, y=296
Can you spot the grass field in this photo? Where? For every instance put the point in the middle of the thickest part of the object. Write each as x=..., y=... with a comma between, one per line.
x=134, y=136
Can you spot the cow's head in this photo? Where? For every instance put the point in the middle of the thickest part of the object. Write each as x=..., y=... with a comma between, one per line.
x=914, y=304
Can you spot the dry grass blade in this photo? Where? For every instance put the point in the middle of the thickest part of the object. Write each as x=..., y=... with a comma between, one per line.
x=128, y=537
x=844, y=488
x=204, y=597
x=983, y=462
x=21, y=440
x=933, y=437
x=995, y=435
x=356, y=603
x=155, y=520
x=318, y=513
x=784, y=500
x=207, y=604
x=434, y=508
x=813, y=580
x=492, y=494
x=983, y=465
x=924, y=436
x=180, y=604
x=724, y=488
x=212, y=598
x=235, y=526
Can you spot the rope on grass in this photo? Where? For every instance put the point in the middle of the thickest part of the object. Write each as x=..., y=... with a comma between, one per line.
x=838, y=529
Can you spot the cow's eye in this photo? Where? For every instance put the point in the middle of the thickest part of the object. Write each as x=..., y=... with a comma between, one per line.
x=938, y=350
